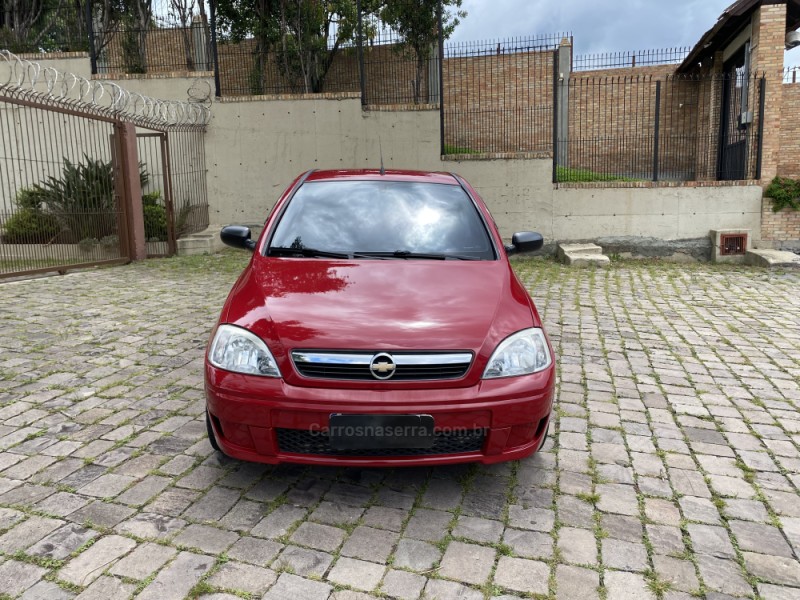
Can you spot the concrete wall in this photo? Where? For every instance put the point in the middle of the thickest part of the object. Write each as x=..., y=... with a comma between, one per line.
x=69, y=62
x=668, y=213
x=199, y=86
x=256, y=148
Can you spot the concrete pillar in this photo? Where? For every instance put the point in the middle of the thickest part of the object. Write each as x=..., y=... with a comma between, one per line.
x=563, y=67
x=767, y=56
x=200, y=43
x=433, y=75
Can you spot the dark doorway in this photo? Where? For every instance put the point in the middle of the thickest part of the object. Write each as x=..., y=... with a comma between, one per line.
x=736, y=117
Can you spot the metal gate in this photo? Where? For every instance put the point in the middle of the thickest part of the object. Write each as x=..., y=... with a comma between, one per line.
x=157, y=206
x=174, y=194
x=739, y=154
x=70, y=171
x=61, y=188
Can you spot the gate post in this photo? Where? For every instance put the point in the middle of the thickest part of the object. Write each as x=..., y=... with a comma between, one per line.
x=129, y=189
x=657, y=132
x=563, y=67
x=90, y=36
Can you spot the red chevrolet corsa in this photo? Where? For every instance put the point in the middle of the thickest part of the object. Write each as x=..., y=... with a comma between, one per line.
x=379, y=323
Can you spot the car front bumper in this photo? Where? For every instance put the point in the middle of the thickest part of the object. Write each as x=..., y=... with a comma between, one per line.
x=250, y=416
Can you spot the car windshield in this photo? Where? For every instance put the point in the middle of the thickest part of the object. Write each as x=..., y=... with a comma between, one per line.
x=392, y=219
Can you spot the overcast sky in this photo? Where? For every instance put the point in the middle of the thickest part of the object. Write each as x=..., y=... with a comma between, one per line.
x=598, y=25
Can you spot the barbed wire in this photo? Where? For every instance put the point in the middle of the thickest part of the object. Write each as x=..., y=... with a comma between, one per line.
x=22, y=77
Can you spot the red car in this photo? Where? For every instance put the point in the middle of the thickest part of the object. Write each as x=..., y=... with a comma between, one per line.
x=379, y=323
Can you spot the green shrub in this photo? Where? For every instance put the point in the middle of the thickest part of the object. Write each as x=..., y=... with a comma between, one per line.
x=88, y=244
x=82, y=198
x=29, y=198
x=30, y=226
x=785, y=193
x=155, y=217
x=569, y=175
x=110, y=243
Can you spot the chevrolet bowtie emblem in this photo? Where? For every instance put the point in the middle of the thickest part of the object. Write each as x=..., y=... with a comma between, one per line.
x=382, y=366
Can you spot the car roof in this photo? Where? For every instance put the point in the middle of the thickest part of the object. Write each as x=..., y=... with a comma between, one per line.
x=388, y=175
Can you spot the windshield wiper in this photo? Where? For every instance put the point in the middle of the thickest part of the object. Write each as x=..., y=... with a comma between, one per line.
x=310, y=252
x=418, y=255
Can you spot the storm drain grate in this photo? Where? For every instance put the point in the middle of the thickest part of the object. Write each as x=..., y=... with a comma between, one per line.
x=732, y=244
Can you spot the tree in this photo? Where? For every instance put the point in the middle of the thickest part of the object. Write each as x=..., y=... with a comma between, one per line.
x=417, y=22
x=138, y=18
x=106, y=18
x=238, y=20
x=25, y=23
x=304, y=36
x=183, y=11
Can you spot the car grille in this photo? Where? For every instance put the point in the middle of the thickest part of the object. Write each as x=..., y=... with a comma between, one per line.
x=355, y=366
x=301, y=441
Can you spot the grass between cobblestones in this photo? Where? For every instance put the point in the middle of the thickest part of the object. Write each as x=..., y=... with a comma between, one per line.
x=671, y=470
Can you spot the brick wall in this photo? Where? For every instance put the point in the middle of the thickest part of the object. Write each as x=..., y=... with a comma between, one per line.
x=612, y=124
x=499, y=103
x=785, y=225
x=789, y=158
x=165, y=51
x=768, y=44
x=495, y=103
x=389, y=74
x=779, y=226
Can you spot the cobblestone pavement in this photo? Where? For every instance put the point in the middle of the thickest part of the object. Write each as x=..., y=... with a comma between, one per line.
x=672, y=470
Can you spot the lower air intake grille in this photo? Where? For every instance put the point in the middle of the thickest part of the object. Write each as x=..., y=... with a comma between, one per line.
x=301, y=441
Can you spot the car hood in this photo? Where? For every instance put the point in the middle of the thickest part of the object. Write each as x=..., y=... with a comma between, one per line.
x=379, y=305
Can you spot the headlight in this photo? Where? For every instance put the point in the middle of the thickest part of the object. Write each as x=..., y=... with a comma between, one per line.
x=523, y=353
x=236, y=349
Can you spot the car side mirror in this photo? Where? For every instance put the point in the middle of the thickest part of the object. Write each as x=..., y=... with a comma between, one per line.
x=237, y=236
x=525, y=241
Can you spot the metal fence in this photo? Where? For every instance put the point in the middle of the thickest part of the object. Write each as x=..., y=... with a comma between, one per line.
x=69, y=169
x=59, y=202
x=248, y=67
x=174, y=195
x=161, y=46
x=791, y=75
x=675, y=128
x=27, y=27
x=622, y=60
x=394, y=74
x=119, y=40
x=498, y=95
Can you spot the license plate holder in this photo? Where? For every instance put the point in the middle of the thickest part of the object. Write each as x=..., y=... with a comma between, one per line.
x=378, y=432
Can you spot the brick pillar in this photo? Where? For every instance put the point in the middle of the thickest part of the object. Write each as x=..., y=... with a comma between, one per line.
x=768, y=43
x=709, y=102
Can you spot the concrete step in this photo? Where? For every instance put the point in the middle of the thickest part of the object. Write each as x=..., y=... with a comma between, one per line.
x=203, y=242
x=586, y=260
x=563, y=249
x=772, y=259
x=582, y=255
